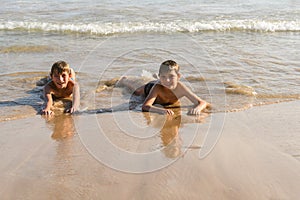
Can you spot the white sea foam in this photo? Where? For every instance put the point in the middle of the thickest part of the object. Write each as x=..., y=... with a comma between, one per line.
x=161, y=27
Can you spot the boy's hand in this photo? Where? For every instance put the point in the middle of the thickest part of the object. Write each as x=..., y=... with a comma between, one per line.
x=71, y=110
x=195, y=111
x=47, y=112
x=169, y=112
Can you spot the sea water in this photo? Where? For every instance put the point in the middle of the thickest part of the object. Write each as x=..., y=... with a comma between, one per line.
x=234, y=54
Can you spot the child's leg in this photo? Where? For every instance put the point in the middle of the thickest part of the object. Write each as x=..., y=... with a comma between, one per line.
x=125, y=82
x=139, y=91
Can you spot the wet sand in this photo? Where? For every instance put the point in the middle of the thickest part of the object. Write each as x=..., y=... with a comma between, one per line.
x=256, y=157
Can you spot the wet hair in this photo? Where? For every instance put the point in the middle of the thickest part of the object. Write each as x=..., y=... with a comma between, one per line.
x=60, y=67
x=167, y=66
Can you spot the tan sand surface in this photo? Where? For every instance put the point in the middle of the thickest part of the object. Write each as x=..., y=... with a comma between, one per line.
x=256, y=156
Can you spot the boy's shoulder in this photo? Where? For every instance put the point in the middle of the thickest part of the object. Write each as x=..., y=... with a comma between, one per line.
x=49, y=86
x=158, y=86
x=181, y=84
x=181, y=88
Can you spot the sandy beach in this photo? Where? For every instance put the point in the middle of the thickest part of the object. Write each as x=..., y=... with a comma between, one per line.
x=256, y=157
x=242, y=57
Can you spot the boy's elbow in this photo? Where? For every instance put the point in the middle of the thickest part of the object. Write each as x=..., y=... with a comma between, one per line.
x=145, y=108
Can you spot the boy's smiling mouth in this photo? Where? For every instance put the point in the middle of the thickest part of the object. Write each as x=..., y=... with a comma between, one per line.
x=61, y=84
x=170, y=86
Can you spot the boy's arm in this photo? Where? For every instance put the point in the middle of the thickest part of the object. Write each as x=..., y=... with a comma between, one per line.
x=48, y=99
x=199, y=104
x=149, y=101
x=76, y=98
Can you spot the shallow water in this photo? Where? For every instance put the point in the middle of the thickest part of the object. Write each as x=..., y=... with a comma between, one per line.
x=234, y=55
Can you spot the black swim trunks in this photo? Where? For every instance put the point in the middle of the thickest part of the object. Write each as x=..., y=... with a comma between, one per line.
x=148, y=87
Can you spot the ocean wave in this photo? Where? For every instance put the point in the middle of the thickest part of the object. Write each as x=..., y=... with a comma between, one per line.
x=233, y=88
x=160, y=27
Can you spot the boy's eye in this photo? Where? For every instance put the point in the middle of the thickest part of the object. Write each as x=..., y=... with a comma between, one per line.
x=170, y=77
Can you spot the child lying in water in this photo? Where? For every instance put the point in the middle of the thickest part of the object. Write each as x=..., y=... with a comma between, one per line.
x=167, y=91
x=62, y=85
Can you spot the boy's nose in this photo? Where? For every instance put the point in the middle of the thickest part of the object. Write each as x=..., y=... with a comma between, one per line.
x=61, y=79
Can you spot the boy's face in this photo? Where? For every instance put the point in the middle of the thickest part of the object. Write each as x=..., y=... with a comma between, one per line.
x=60, y=80
x=169, y=79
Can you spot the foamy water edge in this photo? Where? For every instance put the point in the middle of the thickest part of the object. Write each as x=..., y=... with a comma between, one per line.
x=158, y=27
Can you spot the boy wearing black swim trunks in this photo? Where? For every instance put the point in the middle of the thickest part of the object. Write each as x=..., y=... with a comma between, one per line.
x=168, y=90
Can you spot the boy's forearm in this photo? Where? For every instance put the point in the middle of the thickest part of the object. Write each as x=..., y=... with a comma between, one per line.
x=76, y=96
x=47, y=109
x=155, y=109
x=49, y=101
x=48, y=106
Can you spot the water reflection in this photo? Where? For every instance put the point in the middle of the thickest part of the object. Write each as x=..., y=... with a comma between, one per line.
x=62, y=125
x=170, y=141
x=171, y=130
x=66, y=148
x=170, y=138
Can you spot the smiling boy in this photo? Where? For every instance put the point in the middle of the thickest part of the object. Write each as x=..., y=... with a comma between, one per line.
x=168, y=90
x=62, y=85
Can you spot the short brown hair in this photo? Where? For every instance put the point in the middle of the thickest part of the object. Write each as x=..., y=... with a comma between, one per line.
x=168, y=66
x=60, y=67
